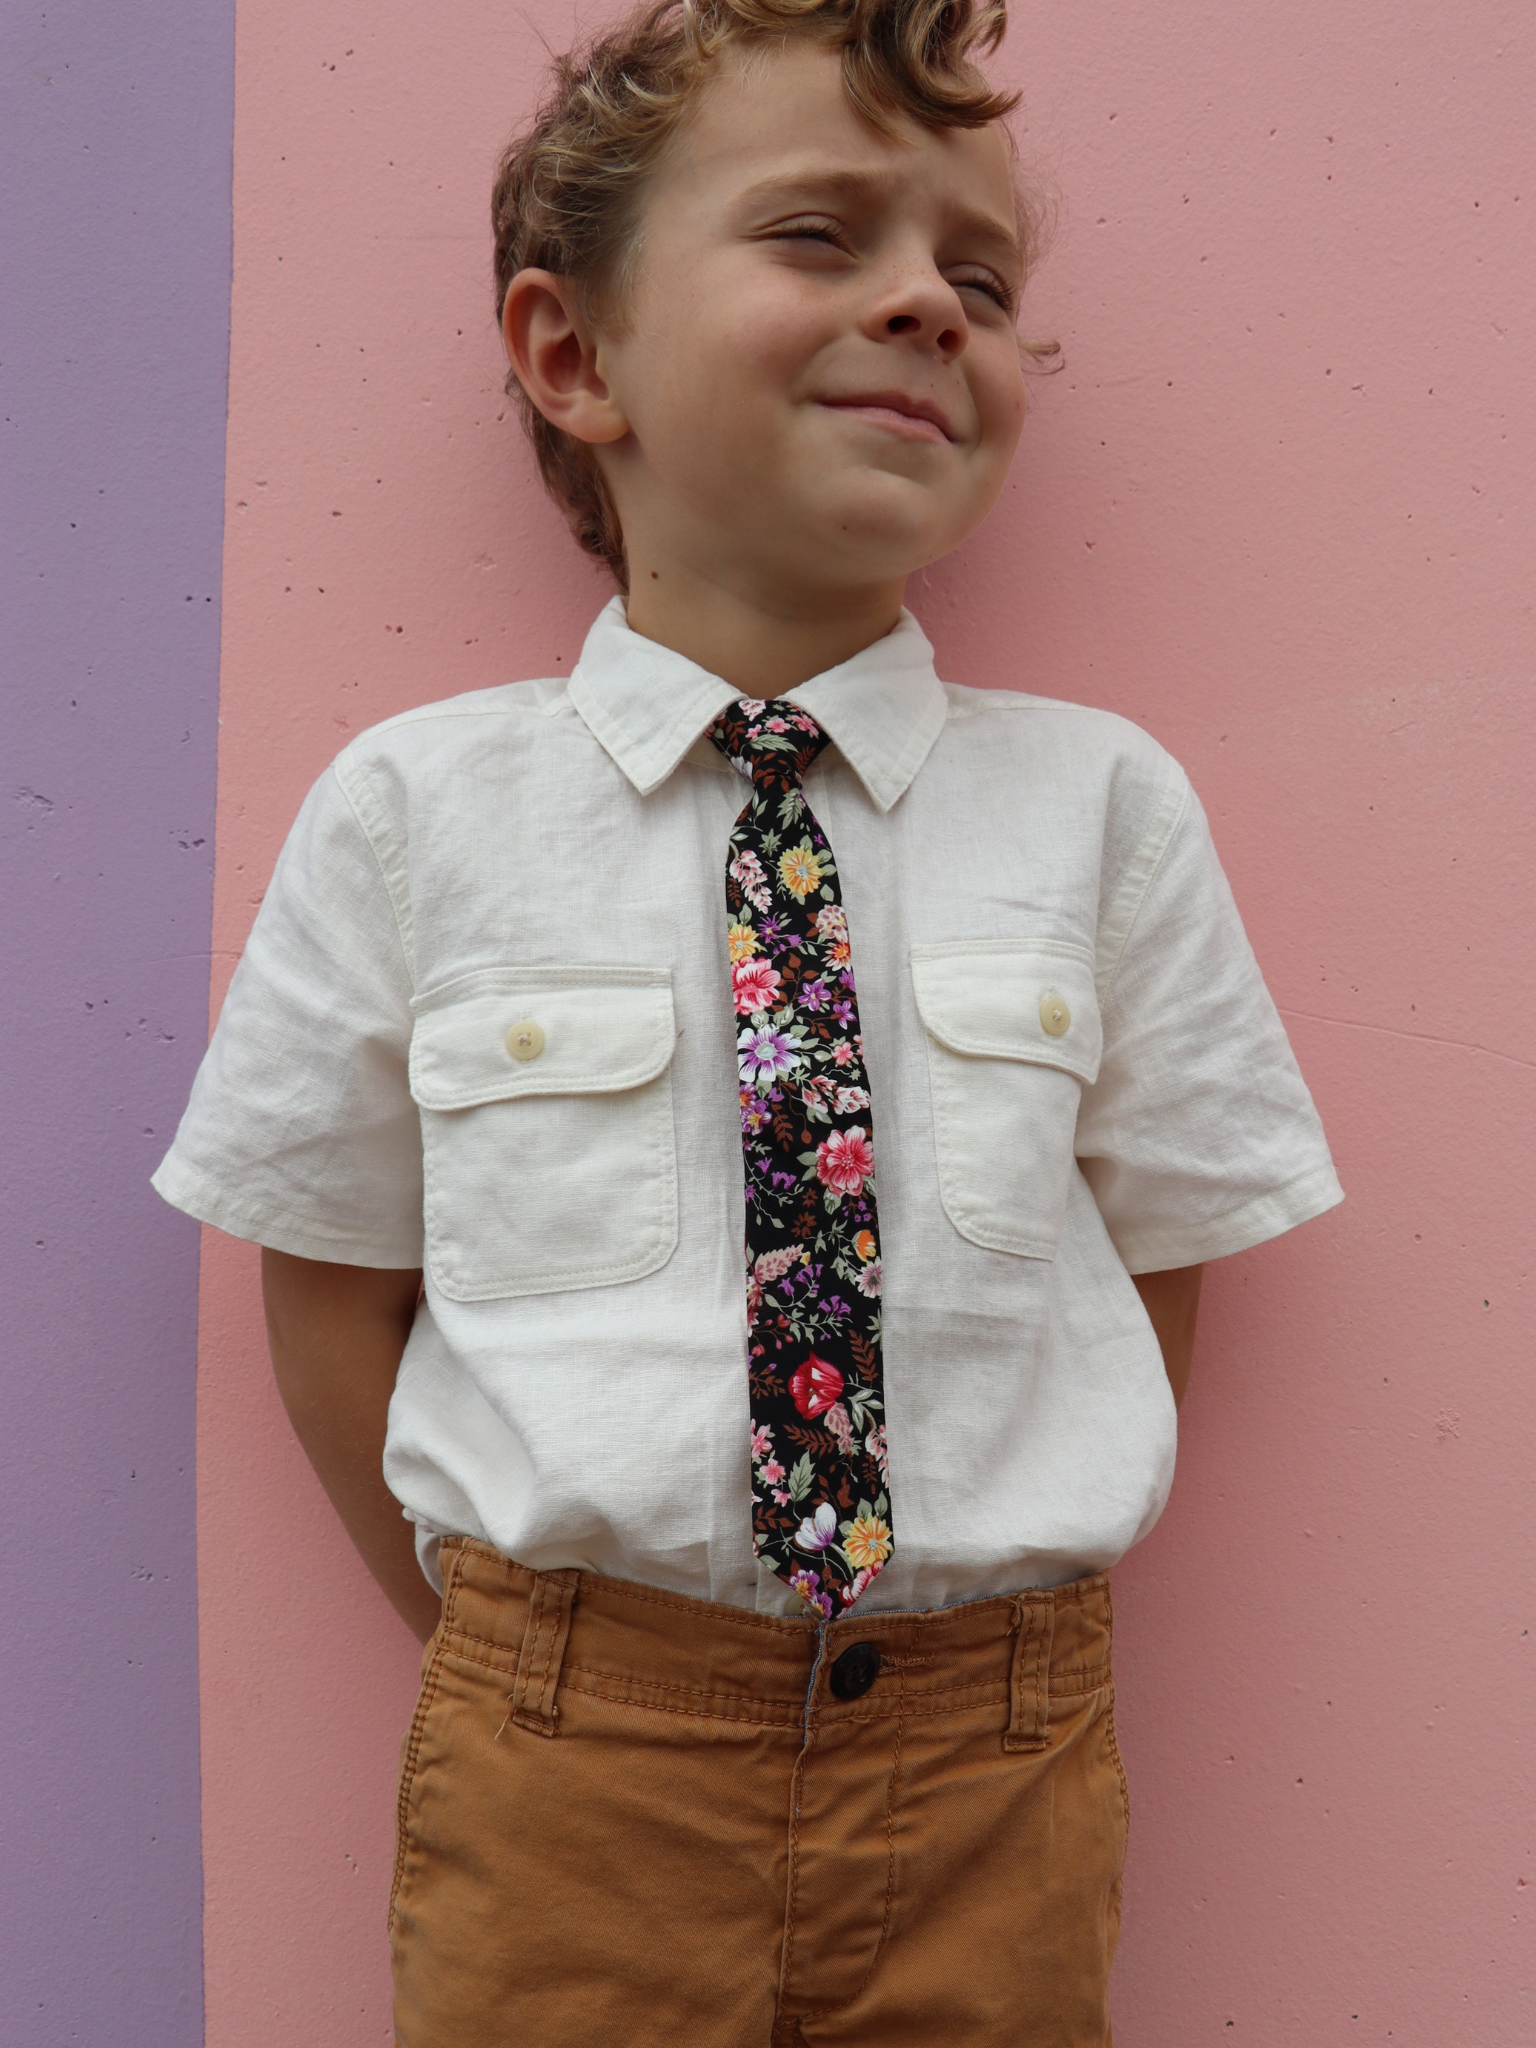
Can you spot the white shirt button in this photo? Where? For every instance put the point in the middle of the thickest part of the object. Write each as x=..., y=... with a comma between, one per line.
x=525, y=1039
x=1055, y=1017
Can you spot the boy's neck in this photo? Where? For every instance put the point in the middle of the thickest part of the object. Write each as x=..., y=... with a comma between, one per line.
x=760, y=646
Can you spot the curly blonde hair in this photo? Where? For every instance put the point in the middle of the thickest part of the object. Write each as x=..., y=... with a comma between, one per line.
x=568, y=189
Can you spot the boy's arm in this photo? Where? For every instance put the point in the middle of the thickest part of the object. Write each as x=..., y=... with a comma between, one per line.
x=336, y=1335
x=1172, y=1300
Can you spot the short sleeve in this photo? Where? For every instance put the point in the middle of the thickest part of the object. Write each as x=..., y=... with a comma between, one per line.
x=1198, y=1138
x=301, y=1133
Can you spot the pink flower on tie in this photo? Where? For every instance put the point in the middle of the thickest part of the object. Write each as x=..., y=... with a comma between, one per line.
x=773, y=1265
x=845, y=1160
x=747, y=871
x=754, y=987
x=840, y=1423
x=815, y=1386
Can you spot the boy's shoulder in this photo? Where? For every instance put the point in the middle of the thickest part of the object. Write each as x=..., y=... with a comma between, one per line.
x=1103, y=731
x=1060, y=739
x=537, y=697
x=417, y=747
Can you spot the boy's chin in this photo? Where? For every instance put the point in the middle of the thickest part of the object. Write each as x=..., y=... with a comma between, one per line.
x=874, y=555
x=868, y=532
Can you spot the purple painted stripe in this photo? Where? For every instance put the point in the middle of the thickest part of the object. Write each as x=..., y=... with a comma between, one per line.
x=115, y=143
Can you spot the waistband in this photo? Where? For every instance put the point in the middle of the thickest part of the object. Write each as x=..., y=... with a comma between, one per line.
x=638, y=1646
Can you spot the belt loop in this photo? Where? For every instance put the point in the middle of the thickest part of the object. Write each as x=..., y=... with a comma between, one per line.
x=453, y=1548
x=538, y=1664
x=1029, y=1711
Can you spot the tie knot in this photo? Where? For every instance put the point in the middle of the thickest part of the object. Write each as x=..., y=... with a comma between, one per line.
x=771, y=743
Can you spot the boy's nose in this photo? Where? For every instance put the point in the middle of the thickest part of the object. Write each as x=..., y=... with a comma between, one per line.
x=924, y=310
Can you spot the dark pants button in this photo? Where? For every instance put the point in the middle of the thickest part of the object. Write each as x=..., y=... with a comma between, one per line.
x=855, y=1671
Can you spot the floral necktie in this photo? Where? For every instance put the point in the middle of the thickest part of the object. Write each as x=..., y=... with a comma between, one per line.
x=820, y=1514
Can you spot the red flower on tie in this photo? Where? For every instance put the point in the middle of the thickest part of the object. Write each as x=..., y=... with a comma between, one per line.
x=816, y=1386
x=845, y=1160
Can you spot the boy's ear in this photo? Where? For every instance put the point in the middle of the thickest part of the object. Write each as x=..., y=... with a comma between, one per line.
x=553, y=353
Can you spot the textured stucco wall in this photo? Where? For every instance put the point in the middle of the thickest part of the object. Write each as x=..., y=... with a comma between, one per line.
x=1277, y=507
x=114, y=323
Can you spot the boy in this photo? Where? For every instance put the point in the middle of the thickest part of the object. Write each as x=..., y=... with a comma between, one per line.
x=768, y=1690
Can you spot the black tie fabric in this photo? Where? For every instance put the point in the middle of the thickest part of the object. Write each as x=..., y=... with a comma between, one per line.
x=821, y=1513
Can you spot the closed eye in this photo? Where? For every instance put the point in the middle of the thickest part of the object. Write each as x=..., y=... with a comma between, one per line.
x=812, y=229
x=992, y=287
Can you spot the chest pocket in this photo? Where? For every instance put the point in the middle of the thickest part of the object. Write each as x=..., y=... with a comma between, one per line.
x=1013, y=1033
x=548, y=1151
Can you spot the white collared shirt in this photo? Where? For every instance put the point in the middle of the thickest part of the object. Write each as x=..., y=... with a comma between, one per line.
x=483, y=1024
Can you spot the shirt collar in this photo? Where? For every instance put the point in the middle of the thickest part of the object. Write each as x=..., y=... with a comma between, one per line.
x=646, y=706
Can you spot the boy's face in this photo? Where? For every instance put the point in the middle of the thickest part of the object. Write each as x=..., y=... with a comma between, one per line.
x=818, y=367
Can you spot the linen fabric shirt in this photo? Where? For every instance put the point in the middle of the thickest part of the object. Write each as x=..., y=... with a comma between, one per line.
x=484, y=1025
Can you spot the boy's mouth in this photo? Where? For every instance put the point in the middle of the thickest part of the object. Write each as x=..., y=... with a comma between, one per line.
x=916, y=419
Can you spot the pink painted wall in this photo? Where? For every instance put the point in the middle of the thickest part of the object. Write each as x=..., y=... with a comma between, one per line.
x=1278, y=508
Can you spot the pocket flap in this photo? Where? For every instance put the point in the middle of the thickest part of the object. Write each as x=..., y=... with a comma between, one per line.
x=1002, y=999
x=596, y=1030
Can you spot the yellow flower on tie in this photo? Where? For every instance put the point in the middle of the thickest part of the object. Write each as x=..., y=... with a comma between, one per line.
x=743, y=942
x=800, y=869
x=864, y=1244
x=867, y=1541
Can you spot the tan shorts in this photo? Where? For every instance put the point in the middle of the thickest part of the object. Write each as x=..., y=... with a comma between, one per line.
x=629, y=1818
